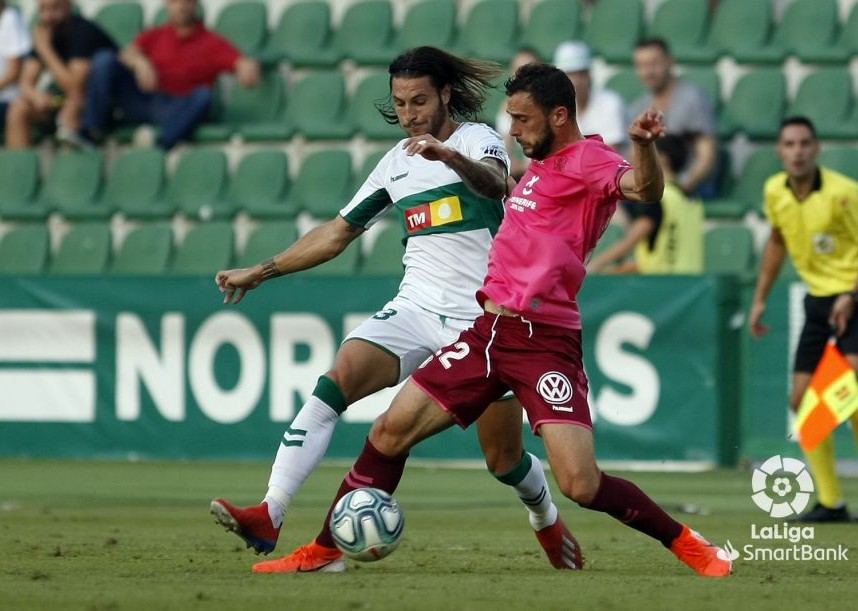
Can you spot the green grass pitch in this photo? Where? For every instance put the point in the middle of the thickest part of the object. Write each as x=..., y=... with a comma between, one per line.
x=116, y=536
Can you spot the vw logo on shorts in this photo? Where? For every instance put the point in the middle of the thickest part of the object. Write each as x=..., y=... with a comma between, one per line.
x=554, y=387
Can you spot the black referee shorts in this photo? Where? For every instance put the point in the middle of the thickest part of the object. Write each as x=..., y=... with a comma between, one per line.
x=816, y=331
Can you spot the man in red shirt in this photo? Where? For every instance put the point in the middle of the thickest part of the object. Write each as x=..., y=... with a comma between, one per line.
x=165, y=77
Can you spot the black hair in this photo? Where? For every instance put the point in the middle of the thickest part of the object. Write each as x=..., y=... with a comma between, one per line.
x=675, y=149
x=660, y=43
x=468, y=79
x=547, y=85
x=798, y=120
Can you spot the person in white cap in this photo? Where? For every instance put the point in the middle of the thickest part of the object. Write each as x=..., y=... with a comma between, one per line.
x=600, y=111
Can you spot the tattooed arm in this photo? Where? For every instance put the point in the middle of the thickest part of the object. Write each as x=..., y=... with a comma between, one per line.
x=486, y=177
x=313, y=248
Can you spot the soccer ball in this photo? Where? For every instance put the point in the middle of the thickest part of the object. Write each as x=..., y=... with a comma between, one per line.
x=367, y=524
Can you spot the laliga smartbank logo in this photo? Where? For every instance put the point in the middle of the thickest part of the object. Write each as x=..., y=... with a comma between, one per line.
x=782, y=488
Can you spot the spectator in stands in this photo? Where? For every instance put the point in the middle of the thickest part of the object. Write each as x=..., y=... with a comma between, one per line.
x=164, y=77
x=667, y=236
x=518, y=159
x=813, y=212
x=600, y=111
x=15, y=45
x=687, y=110
x=64, y=44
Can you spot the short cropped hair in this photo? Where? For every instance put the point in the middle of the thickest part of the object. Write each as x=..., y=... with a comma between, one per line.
x=798, y=120
x=660, y=43
x=547, y=85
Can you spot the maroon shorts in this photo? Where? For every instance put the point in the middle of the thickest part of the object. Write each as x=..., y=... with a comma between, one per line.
x=541, y=364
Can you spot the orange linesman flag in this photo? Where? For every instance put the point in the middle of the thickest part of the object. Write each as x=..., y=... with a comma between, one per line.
x=831, y=398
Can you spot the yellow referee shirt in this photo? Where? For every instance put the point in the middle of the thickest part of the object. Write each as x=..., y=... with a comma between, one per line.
x=820, y=231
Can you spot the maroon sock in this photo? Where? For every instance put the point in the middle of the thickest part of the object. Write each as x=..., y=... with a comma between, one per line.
x=621, y=499
x=372, y=469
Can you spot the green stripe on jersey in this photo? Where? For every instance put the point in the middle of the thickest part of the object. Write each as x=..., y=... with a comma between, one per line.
x=366, y=210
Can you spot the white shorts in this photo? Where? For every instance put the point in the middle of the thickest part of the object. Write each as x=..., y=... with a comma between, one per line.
x=409, y=333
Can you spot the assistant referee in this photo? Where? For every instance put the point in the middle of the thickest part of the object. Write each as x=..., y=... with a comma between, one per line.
x=813, y=213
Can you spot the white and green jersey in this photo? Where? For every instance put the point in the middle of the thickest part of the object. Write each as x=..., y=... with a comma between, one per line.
x=448, y=228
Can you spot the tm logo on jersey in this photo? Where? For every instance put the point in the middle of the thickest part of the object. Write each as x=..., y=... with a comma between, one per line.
x=440, y=212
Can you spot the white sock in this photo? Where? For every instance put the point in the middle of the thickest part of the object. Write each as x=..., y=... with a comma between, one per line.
x=528, y=480
x=301, y=450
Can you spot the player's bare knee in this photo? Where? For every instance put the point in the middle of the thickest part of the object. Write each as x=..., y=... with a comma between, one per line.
x=579, y=484
x=502, y=458
x=388, y=436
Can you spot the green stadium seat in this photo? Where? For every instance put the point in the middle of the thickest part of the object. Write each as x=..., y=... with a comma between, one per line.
x=259, y=186
x=807, y=25
x=682, y=23
x=254, y=112
x=707, y=80
x=737, y=26
x=197, y=184
x=490, y=30
x=19, y=175
x=843, y=159
x=756, y=105
x=385, y=256
x=145, y=251
x=747, y=192
x=85, y=249
x=627, y=84
x=365, y=34
x=430, y=22
x=364, y=115
x=323, y=182
x=549, y=23
x=24, y=249
x=495, y=102
x=614, y=28
x=267, y=240
x=303, y=36
x=367, y=167
x=135, y=184
x=121, y=20
x=72, y=184
x=317, y=107
x=244, y=24
x=346, y=264
x=728, y=249
x=844, y=47
x=825, y=96
x=724, y=205
x=206, y=249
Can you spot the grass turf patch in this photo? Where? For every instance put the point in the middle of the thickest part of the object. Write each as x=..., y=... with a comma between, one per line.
x=113, y=535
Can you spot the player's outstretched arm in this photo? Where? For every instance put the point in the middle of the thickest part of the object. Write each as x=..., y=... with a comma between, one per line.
x=645, y=183
x=486, y=177
x=317, y=246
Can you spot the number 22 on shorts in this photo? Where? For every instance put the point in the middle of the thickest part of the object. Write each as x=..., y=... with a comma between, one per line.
x=458, y=351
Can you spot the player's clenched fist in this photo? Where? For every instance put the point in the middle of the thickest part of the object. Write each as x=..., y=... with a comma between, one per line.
x=647, y=127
